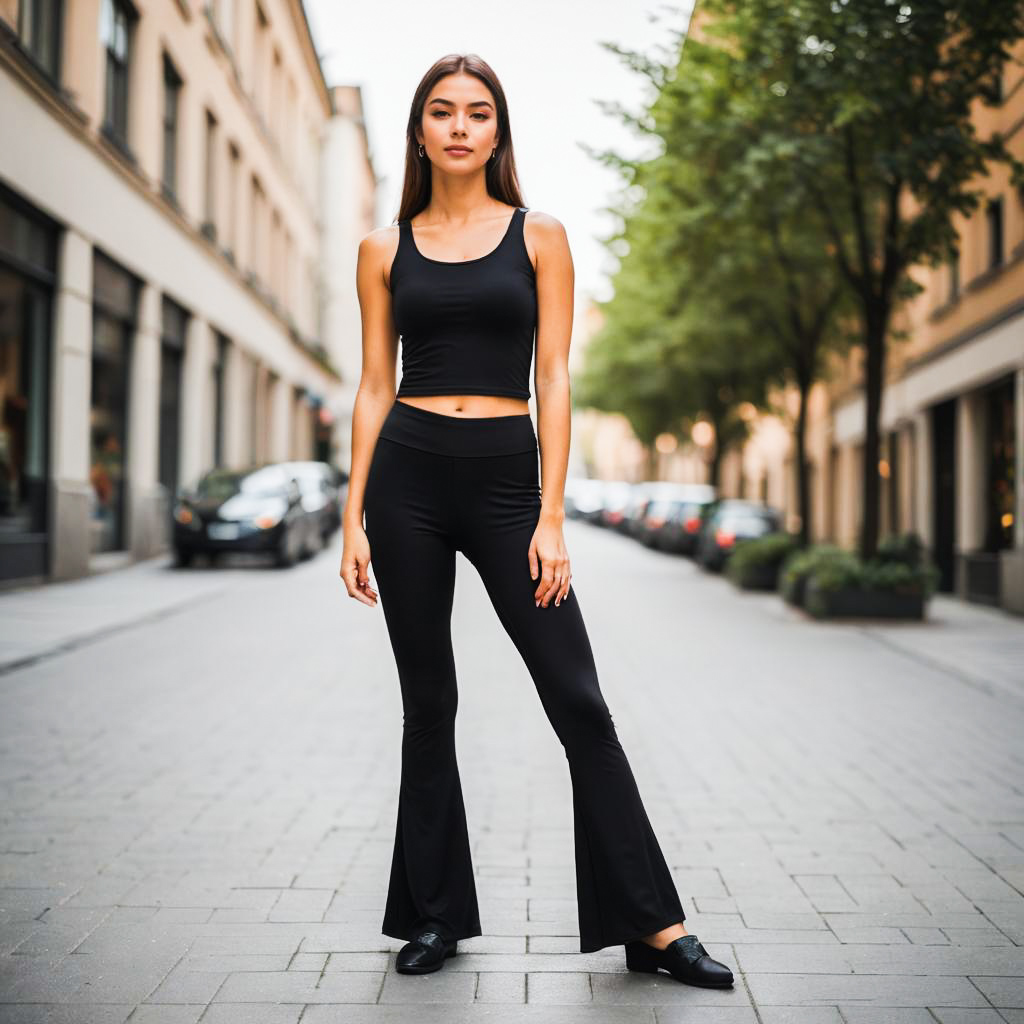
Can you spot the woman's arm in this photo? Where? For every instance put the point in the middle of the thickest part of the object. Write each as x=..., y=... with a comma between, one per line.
x=374, y=397
x=555, y=287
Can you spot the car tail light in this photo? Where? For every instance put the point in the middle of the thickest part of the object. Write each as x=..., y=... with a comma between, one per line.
x=725, y=538
x=655, y=523
x=692, y=524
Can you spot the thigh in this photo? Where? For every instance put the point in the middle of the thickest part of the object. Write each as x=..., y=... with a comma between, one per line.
x=501, y=508
x=412, y=563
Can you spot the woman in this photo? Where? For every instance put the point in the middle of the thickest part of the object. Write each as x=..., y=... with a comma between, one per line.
x=449, y=463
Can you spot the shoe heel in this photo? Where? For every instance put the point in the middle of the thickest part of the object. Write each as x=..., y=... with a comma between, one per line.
x=641, y=957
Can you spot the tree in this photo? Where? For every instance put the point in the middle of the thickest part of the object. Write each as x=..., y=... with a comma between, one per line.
x=881, y=95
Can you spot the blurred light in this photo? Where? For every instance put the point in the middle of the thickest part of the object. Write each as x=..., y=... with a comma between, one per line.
x=883, y=468
x=268, y=519
x=692, y=524
x=183, y=514
x=725, y=538
x=325, y=415
x=747, y=410
x=1007, y=519
x=666, y=443
x=702, y=433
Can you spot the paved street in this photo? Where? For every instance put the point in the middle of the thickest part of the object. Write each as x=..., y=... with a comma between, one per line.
x=199, y=782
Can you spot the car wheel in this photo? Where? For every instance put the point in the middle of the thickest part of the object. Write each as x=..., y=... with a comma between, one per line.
x=284, y=557
x=182, y=557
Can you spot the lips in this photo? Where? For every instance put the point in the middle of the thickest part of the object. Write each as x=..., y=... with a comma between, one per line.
x=457, y=149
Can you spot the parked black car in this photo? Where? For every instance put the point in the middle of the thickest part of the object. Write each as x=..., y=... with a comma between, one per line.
x=672, y=523
x=584, y=498
x=728, y=521
x=615, y=500
x=257, y=509
x=320, y=493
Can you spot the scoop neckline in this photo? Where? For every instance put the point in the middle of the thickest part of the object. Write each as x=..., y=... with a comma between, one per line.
x=460, y=263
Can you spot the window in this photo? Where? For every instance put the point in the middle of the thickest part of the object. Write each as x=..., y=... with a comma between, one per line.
x=260, y=64
x=39, y=28
x=276, y=74
x=231, y=233
x=219, y=396
x=223, y=12
x=172, y=94
x=954, y=276
x=174, y=327
x=995, y=232
x=210, y=194
x=256, y=230
x=116, y=23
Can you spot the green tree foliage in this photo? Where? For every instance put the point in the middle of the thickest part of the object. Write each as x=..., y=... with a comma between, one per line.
x=774, y=222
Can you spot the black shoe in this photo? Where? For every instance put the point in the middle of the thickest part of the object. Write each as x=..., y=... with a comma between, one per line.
x=425, y=953
x=684, y=958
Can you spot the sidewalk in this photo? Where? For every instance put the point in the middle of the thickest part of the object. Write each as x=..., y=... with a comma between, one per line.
x=43, y=620
x=200, y=809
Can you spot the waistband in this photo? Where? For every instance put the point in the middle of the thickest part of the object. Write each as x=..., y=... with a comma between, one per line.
x=459, y=435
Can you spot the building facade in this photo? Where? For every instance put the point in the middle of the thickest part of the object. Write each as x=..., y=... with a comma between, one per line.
x=160, y=265
x=349, y=210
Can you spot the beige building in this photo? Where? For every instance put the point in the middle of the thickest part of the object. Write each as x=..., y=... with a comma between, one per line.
x=349, y=211
x=160, y=265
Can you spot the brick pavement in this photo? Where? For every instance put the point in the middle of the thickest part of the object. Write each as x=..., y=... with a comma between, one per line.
x=199, y=806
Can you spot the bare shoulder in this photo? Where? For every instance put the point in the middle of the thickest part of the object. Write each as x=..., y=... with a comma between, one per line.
x=546, y=238
x=543, y=226
x=378, y=248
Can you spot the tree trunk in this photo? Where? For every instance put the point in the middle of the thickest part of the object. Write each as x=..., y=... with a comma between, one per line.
x=802, y=481
x=874, y=342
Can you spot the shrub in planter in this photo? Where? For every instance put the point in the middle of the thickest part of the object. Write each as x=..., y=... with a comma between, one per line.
x=798, y=567
x=879, y=588
x=755, y=563
x=904, y=548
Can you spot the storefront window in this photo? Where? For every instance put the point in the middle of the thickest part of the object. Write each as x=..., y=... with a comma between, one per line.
x=115, y=295
x=27, y=271
x=172, y=352
x=1001, y=466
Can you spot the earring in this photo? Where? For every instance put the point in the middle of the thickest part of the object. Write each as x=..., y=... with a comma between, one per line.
x=421, y=149
x=493, y=151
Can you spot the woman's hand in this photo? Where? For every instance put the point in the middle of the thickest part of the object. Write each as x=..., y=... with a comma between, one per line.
x=355, y=561
x=548, y=548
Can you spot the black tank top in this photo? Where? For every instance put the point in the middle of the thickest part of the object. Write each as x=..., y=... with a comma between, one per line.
x=467, y=327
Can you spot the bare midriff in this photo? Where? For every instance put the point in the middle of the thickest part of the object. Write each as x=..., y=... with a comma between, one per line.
x=469, y=405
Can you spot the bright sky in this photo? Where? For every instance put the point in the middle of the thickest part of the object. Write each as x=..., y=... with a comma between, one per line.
x=548, y=56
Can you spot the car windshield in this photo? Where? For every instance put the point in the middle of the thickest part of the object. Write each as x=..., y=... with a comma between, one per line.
x=746, y=524
x=222, y=484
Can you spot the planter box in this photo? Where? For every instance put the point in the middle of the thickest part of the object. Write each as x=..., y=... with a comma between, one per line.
x=757, y=577
x=873, y=604
x=793, y=592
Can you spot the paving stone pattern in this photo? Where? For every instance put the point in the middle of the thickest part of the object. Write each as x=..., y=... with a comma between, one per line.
x=199, y=799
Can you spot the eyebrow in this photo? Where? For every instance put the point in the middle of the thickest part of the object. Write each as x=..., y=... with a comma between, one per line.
x=450, y=103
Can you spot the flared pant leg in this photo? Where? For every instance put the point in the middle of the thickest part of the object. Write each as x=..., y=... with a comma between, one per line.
x=412, y=559
x=623, y=884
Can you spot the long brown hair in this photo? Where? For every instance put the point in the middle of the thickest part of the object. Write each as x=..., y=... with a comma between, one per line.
x=502, y=180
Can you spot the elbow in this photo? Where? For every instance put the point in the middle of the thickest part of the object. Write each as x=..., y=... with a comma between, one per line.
x=552, y=381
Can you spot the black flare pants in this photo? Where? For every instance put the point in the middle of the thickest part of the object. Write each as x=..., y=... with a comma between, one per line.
x=438, y=484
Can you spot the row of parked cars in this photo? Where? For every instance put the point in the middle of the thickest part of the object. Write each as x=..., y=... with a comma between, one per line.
x=688, y=519
x=287, y=510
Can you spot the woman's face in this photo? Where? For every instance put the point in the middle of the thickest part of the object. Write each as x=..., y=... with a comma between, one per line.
x=459, y=112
